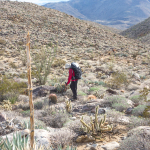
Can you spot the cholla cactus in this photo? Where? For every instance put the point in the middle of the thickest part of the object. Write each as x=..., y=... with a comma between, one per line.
x=6, y=105
x=95, y=127
x=68, y=106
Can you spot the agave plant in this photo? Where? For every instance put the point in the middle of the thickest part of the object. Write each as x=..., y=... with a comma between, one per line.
x=22, y=143
x=17, y=143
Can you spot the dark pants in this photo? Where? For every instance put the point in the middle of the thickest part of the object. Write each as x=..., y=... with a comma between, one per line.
x=73, y=87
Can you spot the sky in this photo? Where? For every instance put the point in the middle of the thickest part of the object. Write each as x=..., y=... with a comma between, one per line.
x=40, y=2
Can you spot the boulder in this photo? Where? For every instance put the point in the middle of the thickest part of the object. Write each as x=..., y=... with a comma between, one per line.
x=138, y=138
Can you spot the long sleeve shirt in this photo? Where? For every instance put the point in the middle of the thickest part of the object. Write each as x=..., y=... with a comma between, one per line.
x=71, y=74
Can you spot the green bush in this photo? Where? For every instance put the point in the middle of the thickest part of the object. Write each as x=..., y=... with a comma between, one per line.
x=135, y=98
x=38, y=105
x=9, y=89
x=94, y=88
x=82, y=93
x=120, y=106
x=118, y=79
x=138, y=111
x=26, y=113
x=116, y=99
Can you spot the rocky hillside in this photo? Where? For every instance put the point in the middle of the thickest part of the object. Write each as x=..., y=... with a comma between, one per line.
x=139, y=31
x=112, y=93
x=117, y=14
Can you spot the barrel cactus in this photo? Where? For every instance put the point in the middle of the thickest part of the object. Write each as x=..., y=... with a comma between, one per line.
x=53, y=98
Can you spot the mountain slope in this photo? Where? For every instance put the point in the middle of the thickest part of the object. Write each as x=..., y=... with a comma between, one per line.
x=120, y=14
x=139, y=31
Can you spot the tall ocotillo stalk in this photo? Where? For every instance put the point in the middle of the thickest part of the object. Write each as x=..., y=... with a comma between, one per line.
x=30, y=92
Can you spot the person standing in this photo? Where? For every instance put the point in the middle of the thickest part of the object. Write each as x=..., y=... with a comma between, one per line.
x=73, y=80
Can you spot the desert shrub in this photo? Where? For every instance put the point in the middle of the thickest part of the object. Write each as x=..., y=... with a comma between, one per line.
x=38, y=124
x=38, y=105
x=137, y=121
x=25, y=113
x=120, y=106
x=81, y=93
x=12, y=96
x=114, y=116
x=23, y=75
x=57, y=120
x=25, y=107
x=12, y=65
x=43, y=61
x=137, y=141
x=74, y=125
x=94, y=89
x=135, y=98
x=138, y=111
x=117, y=80
x=20, y=43
x=58, y=63
x=10, y=89
x=116, y=99
x=2, y=42
x=62, y=138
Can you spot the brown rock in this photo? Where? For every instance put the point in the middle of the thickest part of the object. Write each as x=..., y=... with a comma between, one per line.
x=85, y=138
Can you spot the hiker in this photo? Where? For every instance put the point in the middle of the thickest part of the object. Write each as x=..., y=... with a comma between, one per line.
x=73, y=80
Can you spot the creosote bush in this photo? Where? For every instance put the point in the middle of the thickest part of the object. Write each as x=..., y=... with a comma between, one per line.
x=116, y=99
x=9, y=89
x=117, y=80
x=120, y=106
x=135, y=98
x=138, y=111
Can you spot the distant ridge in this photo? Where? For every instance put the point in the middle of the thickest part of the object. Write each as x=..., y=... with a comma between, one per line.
x=118, y=14
x=139, y=31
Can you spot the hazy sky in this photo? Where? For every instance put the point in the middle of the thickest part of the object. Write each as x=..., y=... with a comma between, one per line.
x=40, y=2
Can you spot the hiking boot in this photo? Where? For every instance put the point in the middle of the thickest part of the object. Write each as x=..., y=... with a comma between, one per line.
x=73, y=99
